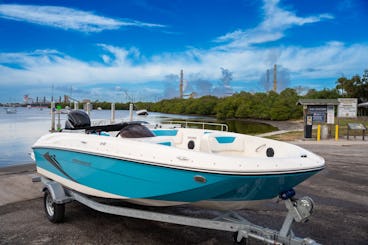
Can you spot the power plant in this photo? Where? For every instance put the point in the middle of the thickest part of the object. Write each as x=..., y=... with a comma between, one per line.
x=181, y=95
x=275, y=78
x=198, y=86
x=267, y=79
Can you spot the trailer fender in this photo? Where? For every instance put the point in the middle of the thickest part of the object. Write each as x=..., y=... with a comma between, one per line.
x=57, y=192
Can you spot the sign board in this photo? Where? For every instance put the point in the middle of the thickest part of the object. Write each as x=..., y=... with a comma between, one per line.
x=330, y=114
x=309, y=120
x=347, y=107
x=356, y=126
x=318, y=112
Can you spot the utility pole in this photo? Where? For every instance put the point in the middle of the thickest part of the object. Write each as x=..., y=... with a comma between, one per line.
x=275, y=78
x=181, y=83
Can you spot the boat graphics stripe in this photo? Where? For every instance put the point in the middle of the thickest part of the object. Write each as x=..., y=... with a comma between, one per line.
x=76, y=186
x=52, y=159
x=301, y=170
x=97, y=193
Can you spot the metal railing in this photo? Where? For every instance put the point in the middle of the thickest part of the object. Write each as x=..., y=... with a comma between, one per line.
x=183, y=123
x=188, y=124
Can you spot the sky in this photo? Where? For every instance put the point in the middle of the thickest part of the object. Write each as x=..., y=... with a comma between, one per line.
x=133, y=50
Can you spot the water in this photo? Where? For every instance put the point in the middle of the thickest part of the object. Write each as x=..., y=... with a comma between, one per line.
x=248, y=127
x=20, y=130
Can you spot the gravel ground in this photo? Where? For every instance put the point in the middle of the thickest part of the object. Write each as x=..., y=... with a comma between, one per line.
x=340, y=216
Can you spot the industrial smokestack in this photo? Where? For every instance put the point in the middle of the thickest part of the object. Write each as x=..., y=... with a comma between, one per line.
x=274, y=78
x=181, y=83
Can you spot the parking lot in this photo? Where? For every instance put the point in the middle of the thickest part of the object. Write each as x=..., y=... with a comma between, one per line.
x=340, y=216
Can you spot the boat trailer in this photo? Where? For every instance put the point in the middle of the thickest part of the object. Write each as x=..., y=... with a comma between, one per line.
x=299, y=210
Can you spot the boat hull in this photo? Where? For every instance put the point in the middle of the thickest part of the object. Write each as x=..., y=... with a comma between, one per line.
x=154, y=185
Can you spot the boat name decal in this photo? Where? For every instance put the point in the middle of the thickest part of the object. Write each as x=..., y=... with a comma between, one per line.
x=81, y=162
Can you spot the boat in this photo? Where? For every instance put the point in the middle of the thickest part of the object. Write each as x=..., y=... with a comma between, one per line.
x=142, y=112
x=10, y=110
x=166, y=167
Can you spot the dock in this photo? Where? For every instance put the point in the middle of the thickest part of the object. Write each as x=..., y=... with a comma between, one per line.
x=340, y=216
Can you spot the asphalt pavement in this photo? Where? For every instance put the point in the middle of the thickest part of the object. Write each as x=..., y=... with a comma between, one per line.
x=340, y=193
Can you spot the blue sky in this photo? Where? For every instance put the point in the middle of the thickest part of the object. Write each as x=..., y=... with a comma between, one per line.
x=116, y=50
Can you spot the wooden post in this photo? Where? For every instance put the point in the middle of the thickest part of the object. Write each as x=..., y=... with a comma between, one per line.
x=131, y=112
x=363, y=133
x=112, y=113
x=52, y=117
x=58, y=111
x=88, y=108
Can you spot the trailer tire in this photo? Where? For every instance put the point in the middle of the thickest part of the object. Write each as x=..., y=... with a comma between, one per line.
x=54, y=212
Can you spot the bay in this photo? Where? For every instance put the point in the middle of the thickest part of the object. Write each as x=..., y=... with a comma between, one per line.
x=19, y=131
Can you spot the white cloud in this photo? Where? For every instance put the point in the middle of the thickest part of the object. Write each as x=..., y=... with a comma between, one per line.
x=276, y=21
x=247, y=65
x=123, y=66
x=106, y=58
x=66, y=18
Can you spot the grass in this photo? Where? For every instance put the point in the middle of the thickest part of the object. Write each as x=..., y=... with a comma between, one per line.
x=343, y=130
x=289, y=136
x=343, y=122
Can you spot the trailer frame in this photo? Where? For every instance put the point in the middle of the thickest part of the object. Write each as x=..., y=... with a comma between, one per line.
x=299, y=210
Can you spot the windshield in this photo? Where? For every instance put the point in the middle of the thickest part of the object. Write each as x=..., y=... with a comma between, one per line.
x=135, y=131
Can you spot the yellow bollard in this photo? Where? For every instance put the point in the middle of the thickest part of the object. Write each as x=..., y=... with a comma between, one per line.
x=337, y=132
x=319, y=133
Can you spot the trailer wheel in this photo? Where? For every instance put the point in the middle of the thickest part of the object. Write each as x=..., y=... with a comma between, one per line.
x=54, y=212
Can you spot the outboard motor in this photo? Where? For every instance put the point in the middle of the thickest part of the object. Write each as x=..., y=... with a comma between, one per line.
x=77, y=120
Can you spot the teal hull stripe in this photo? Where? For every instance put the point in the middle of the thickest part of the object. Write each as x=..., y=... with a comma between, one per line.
x=137, y=180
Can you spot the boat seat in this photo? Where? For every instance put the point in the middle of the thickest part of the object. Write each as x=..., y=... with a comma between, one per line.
x=178, y=138
x=221, y=143
x=175, y=135
x=167, y=141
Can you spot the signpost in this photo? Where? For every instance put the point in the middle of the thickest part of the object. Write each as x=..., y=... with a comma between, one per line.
x=356, y=126
x=347, y=107
x=318, y=112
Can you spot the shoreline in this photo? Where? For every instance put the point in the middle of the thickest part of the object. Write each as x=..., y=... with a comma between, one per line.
x=19, y=167
x=290, y=125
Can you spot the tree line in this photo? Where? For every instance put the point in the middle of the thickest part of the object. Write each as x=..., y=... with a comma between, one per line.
x=268, y=105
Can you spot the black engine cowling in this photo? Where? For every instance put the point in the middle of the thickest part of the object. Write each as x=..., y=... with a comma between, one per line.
x=77, y=120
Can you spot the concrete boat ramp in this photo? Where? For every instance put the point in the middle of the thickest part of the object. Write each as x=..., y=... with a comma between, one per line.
x=340, y=215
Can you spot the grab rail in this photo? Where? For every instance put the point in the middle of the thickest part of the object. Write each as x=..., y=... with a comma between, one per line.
x=223, y=126
x=187, y=124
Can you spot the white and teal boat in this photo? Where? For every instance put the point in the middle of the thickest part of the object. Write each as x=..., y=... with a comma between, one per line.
x=165, y=167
